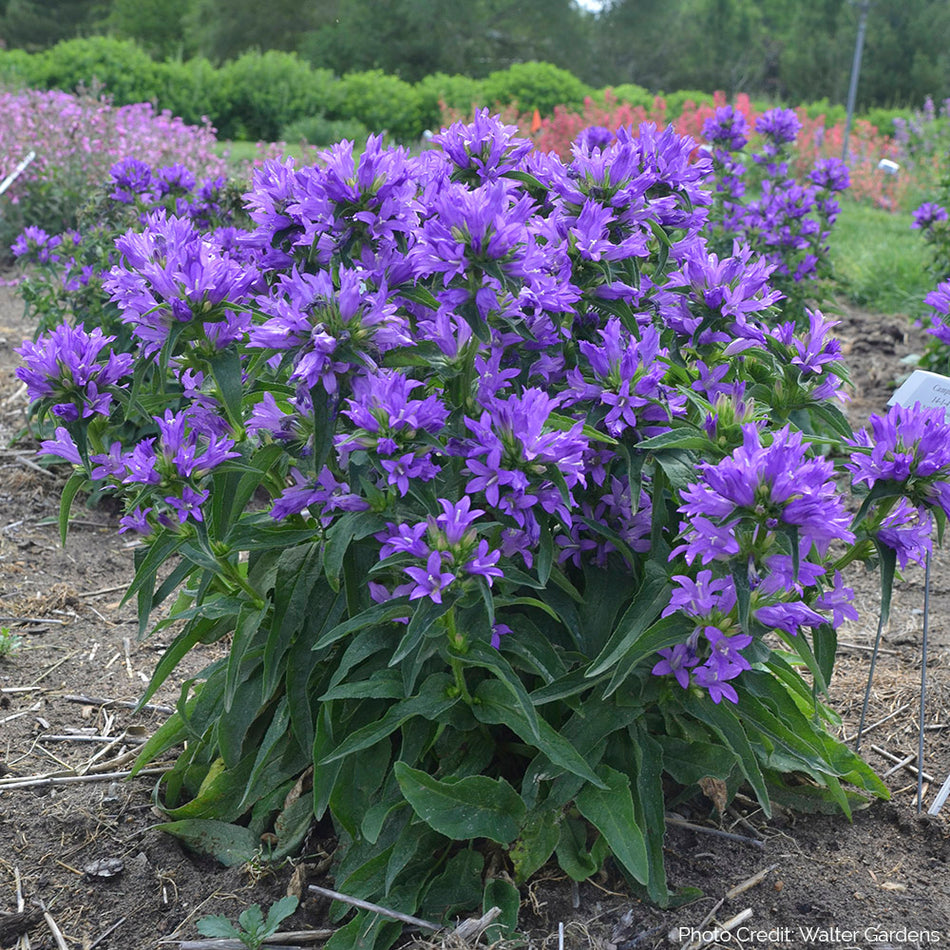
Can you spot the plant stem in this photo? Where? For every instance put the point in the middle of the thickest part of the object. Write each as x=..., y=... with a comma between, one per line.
x=457, y=642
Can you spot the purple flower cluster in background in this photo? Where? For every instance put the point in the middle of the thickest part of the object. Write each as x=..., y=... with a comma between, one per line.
x=785, y=221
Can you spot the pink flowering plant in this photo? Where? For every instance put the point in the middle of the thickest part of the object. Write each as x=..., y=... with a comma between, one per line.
x=509, y=495
x=77, y=138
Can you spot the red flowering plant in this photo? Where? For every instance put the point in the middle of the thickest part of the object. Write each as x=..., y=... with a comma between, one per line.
x=500, y=484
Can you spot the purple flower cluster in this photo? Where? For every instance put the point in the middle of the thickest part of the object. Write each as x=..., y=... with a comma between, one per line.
x=448, y=546
x=67, y=370
x=785, y=221
x=34, y=245
x=174, y=276
x=727, y=129
x=939, y=299
x=927, y=215
x=739, y=505
x=711, y=655
x=909, y=448
x=780, y=126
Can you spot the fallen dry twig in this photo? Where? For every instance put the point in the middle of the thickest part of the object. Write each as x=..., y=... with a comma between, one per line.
x=704, y=829
x=374, y=908
x=124, y=703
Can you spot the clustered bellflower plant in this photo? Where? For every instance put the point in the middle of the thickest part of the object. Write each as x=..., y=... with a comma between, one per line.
x=506, y=489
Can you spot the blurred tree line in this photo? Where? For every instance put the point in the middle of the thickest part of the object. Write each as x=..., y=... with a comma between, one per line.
x=791, y=51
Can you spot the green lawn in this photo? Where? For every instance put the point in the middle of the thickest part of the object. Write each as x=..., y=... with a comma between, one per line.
x=879, y=261
x=241, y=154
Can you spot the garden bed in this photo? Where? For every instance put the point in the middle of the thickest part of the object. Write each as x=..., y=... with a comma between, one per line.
x=886, y=871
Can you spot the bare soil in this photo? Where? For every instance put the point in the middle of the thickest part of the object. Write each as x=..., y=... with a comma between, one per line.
x=885, y=876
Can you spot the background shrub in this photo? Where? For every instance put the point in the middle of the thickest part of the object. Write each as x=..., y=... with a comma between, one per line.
x=191, y=89
x=123, y=70
x=883, y=119
x=18, y=69
x=677, y=101
x=533, y=86
x=265, y=91
x=320, y=131
x=456, y=92
x=381, y=102
x=633, y=94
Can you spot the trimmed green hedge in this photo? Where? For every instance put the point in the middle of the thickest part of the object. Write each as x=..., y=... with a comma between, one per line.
x=264, y=96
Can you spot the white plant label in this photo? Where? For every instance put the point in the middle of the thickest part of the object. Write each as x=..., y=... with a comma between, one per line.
x=931, y=390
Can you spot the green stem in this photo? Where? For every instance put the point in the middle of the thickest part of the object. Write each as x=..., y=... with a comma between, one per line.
x=457, y=643
x=460, y=684
x=230, y=573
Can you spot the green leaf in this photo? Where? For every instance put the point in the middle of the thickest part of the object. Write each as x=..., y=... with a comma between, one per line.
x=226, y=370
x=723, y=720
x=689, y=760
x=423, y=616
x=740, y=577
x=457, y=889
x=650, y=807
x=297, y=596
x=179, y=647
x=372, y=616
x=503, y=601
x=834, y=418
x=473, y=807
x=679, y=466
x=382, y=684
x=888, y=558
x=432, y=701
x=545, y=555
x=494, y=707
x=349, y=527
x=250, y=479
x=679, y=438
x=534, y=184
x=418, y=294
x=573, y=856
x=536, y=843
x=252, y=920
x=487, y=657
x=324, y=426
x=245, y=630
x=229, y=844
x=825, y=640
x=664, y=633
x=610, y=810
x=566, y=423
x=218, y=926
x=146, y=570
x=220, y=793
x=504, y=895
x=73, y=484
x=653, y=596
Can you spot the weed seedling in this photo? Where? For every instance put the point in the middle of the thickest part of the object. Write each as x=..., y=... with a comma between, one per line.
x=252, y=929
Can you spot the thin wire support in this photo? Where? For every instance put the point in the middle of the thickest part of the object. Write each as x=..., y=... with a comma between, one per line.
x=867, y=691
x=923, y=688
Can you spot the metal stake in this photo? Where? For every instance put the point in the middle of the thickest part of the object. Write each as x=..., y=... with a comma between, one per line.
x=923, y=688
x=19, y=170
x=867, y=692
